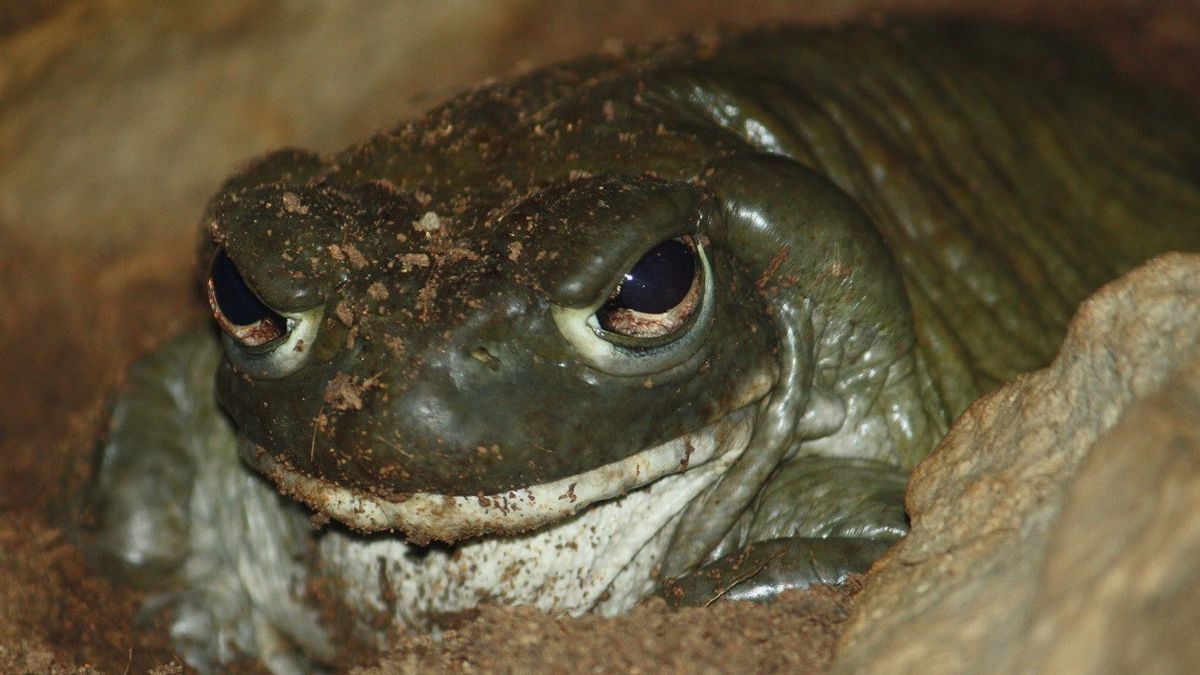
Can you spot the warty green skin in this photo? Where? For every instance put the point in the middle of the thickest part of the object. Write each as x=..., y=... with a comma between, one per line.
x=896, y=221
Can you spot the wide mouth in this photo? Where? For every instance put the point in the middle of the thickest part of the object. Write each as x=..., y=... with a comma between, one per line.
x=424, y=517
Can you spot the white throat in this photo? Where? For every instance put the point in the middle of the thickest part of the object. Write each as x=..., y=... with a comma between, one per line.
x=602, y=558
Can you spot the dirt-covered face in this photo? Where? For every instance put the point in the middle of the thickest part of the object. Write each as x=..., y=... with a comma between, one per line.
x=450, y=367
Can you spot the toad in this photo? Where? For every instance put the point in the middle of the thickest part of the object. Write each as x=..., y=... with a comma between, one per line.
x=621, y=326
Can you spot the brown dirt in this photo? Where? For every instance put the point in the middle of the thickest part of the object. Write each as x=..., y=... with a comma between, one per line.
x=724, y=638
x=62, y=354
x=74, y=317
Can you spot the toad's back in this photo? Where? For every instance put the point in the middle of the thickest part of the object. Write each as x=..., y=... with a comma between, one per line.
x=1009, y=176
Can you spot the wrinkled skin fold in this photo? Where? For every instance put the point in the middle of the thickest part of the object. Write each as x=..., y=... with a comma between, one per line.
x=886, y=222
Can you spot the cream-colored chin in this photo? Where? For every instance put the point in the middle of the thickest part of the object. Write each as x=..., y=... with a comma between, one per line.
x=423, y=517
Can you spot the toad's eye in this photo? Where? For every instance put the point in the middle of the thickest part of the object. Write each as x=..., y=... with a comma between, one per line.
x=238, y=311
x=658, y=294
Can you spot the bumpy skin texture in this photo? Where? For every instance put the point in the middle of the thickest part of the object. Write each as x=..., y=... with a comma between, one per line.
x=895, y=220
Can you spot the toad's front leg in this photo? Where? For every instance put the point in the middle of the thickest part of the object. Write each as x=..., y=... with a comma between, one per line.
x=171, y=509
x=818, y=520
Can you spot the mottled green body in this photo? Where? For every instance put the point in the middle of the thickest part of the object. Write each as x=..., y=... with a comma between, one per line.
x=889, y=222
x=1010, y=176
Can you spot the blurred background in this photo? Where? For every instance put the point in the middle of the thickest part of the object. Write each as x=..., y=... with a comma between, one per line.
x=119, y=117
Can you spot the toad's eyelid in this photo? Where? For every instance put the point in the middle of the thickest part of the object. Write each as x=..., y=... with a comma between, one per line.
x=602, y=226
x=238, y=309
x=258, y=339
x=620, y=355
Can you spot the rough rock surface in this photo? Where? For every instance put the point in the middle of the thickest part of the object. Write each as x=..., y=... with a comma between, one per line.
x=1057, y=527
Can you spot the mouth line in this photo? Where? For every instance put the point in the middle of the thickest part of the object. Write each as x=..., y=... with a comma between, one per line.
x=423, y=517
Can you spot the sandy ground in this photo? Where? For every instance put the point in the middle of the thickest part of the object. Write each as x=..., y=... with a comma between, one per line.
x=78, y=308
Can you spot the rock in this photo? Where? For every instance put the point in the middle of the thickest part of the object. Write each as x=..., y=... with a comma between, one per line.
x=1120, y=582
x=1057, y=526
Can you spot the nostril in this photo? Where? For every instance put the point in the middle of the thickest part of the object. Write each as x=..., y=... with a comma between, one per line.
x=482, y=355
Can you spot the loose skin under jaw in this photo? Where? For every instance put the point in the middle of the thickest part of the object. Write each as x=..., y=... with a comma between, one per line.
x=423, y=517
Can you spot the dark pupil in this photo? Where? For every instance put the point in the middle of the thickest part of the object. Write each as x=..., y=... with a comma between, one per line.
x=660, y=280
x=234, y=298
